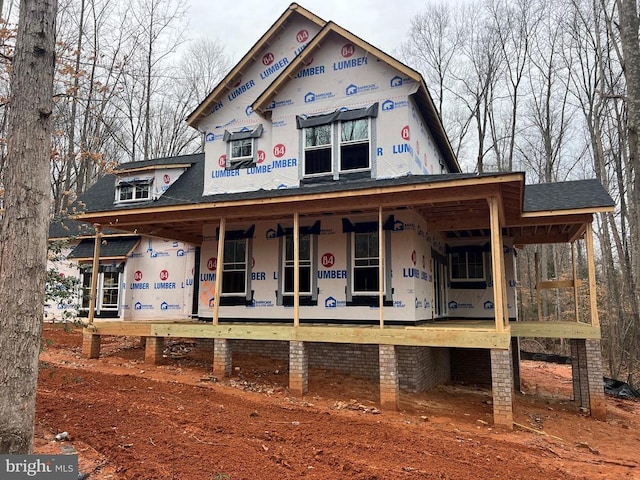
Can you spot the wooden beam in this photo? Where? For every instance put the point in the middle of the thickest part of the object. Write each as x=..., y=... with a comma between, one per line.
x=577, y=211
x=569, y=217
x=579, y=233
x=554, y=330
x=591, y=264
x=95, y=269
x=466, y=223
x=136, y=329
x=219, y=265
x=550, y=284
x=539, y=239
x=496, y=264
x=503, y=280
x=296, y=269
x=536, y=261
x=412, y=336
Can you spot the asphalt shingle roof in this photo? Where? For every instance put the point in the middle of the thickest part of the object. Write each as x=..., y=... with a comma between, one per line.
x=187, y=190
x=109, y=247
x=63, y=227
x=566, y=196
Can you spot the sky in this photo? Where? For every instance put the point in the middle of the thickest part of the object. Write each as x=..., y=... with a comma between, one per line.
x=240, y=23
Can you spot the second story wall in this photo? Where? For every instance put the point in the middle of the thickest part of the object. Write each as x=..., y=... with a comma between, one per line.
x=345, y=112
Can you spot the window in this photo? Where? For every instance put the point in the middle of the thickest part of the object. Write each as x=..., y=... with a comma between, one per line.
x=317, y=151
x=234, y=267
x=108, y=290
x=354, y=144
x=337, y=142
x=365, y=263
x=467, y=265
x=306, y=266
x=134, y=191
x=241, y=152
x=439, y=263
x=363, y=260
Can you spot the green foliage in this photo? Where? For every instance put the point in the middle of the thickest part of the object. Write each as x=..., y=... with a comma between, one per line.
x=61, y=290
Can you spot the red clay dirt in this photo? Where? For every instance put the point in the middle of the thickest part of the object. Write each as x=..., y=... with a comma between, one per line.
x=129, y=420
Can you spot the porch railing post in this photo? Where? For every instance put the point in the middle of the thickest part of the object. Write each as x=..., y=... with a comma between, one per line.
x=575, y=280
x=95, y=272
x=593, y=302
x=296, y=269
x=496, y=263
x=219, y=265
x=380, y=267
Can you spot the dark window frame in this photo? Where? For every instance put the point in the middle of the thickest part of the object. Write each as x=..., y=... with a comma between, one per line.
x=243, y=138
x=341, y=154
x=111, y=310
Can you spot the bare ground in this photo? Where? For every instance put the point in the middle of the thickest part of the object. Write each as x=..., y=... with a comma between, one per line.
x=130, y=420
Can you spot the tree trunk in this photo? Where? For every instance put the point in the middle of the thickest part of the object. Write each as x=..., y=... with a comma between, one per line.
x=23, y=246
x=629, y=27
x=71, y=147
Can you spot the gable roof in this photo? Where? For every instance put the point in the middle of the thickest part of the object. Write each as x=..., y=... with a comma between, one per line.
x=422, y=96
x=236, y=73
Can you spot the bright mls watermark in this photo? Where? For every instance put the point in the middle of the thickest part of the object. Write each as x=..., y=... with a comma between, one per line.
x=46, y=467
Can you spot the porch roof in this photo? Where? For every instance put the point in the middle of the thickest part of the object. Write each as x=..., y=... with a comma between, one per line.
x=455, y=204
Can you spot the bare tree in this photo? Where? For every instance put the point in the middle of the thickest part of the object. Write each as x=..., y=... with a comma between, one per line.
x=477, y=81
x=23, y=263
x=516, y=24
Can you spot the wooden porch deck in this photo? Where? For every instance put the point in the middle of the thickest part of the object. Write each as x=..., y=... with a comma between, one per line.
x=445, y=333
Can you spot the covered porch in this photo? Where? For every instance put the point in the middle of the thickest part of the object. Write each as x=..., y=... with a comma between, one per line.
x=487, y=209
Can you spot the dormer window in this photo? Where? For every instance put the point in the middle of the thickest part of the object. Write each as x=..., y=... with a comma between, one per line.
x=134, y=190
x=242, y=151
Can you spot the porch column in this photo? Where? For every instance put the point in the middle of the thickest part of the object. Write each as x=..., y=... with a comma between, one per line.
x=389, y=384
x=575, y=280
x=502, y=387
x=380, y=267
x=597, y=403
x=588, y=387
x=219, y=264
x=222, y=357
x=153, y=350
x=298, y=367
x=593, y=303
x=579, y=372
x=90, y=345
x=497, y=264
x=296, y=270
x=94, y=272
